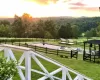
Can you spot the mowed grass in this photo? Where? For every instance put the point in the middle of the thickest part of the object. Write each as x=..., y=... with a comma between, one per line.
x=87, y=68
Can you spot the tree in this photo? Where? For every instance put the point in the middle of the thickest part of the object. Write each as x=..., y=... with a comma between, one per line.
x=17, y=28
x=27, y=24
x=88, y=34
x=62, y=31
x=75, y=31
x=91, y=33
x=41, y=28
x=4, y=30
x=4, y=22
x=22, y=25
x=69, y=33
x=50, y=27
x=98, y=31
x=48, y=35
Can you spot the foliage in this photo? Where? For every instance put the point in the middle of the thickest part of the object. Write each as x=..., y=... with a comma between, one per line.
x=69, y=33
x=7, y=69
x=40, y=28
x=22, y=25
x=48, y=35
x=50, y=27
x=4, y=22
x=91, y=33
x=4, y=30
x=62, y=31
x=26, y=26
x=75, y=31
x=65, y=31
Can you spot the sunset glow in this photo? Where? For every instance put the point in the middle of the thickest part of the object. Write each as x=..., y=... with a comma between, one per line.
x=48, y=8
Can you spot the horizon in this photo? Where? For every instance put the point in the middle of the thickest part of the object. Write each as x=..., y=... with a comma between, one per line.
x=50, y=8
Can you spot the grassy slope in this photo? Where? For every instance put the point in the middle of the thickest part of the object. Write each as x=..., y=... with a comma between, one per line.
x=89, y=69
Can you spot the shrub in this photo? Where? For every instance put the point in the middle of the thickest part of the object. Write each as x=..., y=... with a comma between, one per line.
x=7, y=69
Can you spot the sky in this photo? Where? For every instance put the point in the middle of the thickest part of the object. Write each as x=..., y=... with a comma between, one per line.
x=50, y=8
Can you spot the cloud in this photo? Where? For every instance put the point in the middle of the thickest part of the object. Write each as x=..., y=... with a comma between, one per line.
x=85, y=8
x=43, y=2
x=78, y=4
x=82, y=5
x=91, y=9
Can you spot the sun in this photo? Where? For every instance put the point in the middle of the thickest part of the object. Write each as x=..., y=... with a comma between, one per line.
x=8, y=8
x=19, y=7
x=51, y=9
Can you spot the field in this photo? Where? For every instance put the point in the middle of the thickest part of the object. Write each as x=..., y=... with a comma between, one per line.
x=87, y=68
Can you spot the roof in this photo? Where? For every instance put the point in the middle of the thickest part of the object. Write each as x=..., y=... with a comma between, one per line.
x=93, y=41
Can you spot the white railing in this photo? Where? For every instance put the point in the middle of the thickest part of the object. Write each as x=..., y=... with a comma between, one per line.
x=28, y=54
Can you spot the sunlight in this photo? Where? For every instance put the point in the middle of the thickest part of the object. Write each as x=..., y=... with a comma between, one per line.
x=11, y=7
x=51, y=9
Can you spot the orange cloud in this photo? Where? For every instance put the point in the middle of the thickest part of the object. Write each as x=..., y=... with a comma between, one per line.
x=78, y=4
x=43, y=2
x=85, y=8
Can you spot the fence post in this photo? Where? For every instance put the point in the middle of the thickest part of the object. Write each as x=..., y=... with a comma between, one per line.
x=46, y=50
x=71, y=53
x=63, y=73
x=27, y=65
x=6, y=54
x=35, y=48
x=57, y=51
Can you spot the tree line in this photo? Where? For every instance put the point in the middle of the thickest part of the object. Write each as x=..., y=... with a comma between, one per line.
x=26, y=27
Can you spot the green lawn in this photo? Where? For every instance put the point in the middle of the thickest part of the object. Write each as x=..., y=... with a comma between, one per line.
x=87, y=68
x=90, y=69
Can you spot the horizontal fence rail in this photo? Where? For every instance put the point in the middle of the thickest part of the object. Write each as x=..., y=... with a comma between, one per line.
x=30, y=54
x=60, y=52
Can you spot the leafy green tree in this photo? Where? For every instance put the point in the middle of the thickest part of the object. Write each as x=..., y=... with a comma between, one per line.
x=27, y=24
x=4, y=30
x=88, y=34
x=75, y=31
x=17, y=27
x=65, y=31
x=50, y=27
x=91, y=33
x=4, y=22
x=69, y=33
x=62, y=31
x=98, y=31
x=22, y=25
x=41, y=28
x=48, y=35
x=94, y=33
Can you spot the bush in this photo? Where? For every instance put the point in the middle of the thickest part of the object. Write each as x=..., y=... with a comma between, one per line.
x=7, y=69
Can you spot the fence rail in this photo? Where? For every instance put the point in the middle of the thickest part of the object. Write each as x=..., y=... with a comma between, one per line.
x=60, y=52
x=29, y=54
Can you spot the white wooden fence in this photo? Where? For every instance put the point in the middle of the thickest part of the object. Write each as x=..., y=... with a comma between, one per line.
x=28, y=54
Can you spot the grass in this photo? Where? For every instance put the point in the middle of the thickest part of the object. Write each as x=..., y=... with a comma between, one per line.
x=88, y=68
